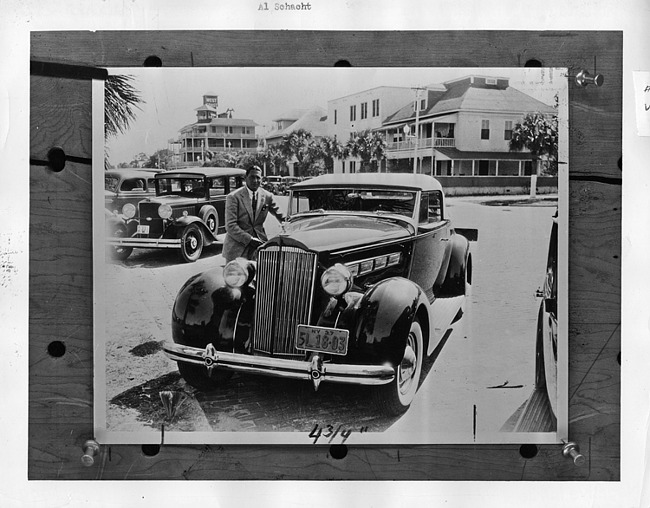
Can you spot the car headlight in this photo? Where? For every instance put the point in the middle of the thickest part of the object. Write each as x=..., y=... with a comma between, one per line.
x=128, y=210
x=336, y=280
x=238, y=272
x=164, y=211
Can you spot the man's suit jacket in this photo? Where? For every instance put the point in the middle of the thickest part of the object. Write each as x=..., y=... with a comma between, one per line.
x=242, y=224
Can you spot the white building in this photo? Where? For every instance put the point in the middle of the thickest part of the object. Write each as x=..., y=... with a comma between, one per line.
x=361, y=111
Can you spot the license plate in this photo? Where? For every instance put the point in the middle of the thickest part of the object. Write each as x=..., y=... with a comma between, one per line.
x=142, y=230
x=319, y=338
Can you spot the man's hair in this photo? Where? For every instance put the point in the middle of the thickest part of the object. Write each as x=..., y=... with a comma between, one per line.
x=253, y=168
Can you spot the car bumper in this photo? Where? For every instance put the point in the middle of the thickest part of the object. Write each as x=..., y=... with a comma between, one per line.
x=313, y=370
x=146, y=243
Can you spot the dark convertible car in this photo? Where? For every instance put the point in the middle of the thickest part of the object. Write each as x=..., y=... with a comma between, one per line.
x=347, y=293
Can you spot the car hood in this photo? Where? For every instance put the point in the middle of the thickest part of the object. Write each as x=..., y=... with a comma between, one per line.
x=334, y=232
x=171, y=200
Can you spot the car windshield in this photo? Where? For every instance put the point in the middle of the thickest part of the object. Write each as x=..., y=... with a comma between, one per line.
x=354, y=200
x=191, y=187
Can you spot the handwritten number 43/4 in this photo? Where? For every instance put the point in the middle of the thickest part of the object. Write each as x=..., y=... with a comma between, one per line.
x=329, y=432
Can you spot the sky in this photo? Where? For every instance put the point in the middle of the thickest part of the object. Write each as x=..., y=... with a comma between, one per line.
x=171, y=95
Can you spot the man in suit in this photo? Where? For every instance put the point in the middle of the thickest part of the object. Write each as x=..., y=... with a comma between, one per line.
x=246, y=211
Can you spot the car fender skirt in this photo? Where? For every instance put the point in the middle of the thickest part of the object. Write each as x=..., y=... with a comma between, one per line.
x=206, y=311
x=385, y=315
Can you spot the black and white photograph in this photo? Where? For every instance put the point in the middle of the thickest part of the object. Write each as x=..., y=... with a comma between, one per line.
x=331, y=255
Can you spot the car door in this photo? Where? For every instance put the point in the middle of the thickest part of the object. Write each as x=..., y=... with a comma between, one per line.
x=431, y=247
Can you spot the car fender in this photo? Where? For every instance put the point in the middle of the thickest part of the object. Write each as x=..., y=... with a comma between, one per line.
x=114, y=221
x=206, y=310
x=382, y=320
x=203, y=213
x=175, y=230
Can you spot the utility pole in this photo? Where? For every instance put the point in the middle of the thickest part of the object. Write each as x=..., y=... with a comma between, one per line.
x=417, y=129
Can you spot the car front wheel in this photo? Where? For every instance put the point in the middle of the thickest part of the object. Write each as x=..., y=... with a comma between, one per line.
x=120, y=253
x=191, y=243
x=396, y=397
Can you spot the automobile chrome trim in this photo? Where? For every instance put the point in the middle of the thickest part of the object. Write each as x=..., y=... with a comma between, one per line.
x=163, y=243
x=280, y=367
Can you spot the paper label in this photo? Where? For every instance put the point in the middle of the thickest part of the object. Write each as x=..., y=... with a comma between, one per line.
x=642, y=96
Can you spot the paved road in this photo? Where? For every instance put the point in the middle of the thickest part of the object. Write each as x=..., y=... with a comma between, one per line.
x=492, y=346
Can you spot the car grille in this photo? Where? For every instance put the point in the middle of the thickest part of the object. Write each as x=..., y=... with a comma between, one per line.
x=148, y=213
x=285, y=286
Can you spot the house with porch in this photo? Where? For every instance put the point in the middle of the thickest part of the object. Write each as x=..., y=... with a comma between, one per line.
x=461, y=127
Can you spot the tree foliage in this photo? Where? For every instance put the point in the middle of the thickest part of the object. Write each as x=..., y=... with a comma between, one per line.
x=161, y=159
x=370, y=147
x=120, y=101
x=538, y=134
x=297, y=145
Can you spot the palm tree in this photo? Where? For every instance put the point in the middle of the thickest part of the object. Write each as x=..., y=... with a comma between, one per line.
x=370, y=147
x=538, y=134
x=327, y=149
x=296, y=145
x=120, y=99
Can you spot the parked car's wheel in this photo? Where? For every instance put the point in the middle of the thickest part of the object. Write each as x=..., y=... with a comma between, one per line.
x=120, y=253
x=546, y=357
x=396, y=397
x=540, y=375
x=198, y=377
x=209, y=216
x=191, y=243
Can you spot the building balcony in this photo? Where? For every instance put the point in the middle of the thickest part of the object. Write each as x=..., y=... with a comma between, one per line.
x=218, y=149
x=409, y=144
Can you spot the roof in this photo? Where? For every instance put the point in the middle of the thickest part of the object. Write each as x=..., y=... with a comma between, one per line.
x=201, y=172
x=206, y=107
x=132, y=172
x=292, y=114
x=465, y=97
x=456, y=154
x=378, y=180
x=313, y=120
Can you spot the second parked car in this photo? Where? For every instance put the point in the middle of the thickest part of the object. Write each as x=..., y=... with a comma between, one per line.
x=186, y=213
x=129, y=185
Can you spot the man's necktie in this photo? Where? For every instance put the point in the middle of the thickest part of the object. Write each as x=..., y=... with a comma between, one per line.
x=254, y=203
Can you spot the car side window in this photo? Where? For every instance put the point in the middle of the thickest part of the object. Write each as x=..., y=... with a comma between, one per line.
x=132, y=184
x=430, y=208
x=218, y=186
x=234, y=183
x=435, y=207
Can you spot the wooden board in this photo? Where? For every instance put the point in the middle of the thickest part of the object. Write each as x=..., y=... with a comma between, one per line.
x=60, y=314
